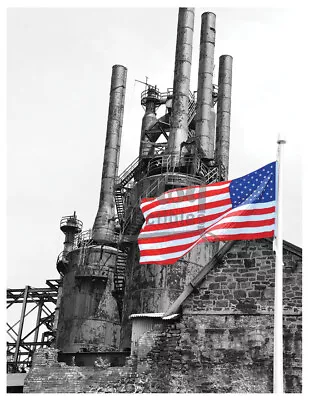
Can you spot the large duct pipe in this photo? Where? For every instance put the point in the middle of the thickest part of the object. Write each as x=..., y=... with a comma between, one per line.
x=181, y=85
x=204, y=128
x=224, y=113
x=104, y=222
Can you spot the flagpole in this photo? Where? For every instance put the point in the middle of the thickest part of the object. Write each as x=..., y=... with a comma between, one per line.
x=278, y=306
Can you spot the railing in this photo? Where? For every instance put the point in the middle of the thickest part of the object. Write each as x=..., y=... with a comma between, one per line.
x=71, y=221
x=127, y=172
x=83, y=238
x=154, y=94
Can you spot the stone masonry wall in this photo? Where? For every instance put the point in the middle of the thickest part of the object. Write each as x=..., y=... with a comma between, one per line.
x=224, y=341
x=50, y=376
x=221, y=343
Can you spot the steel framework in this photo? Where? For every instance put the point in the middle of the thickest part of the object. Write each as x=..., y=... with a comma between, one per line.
x=22, y=342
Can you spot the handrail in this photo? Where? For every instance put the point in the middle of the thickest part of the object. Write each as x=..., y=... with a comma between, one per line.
x=71, y=220
x=126, y=171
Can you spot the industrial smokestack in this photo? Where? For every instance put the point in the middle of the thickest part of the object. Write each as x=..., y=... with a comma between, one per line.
x=224, y=113
x=181, y=85
x=104, y=222
x=120, y=127
x=204, y=128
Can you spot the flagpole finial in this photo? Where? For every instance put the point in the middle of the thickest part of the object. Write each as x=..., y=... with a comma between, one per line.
x=281, y=139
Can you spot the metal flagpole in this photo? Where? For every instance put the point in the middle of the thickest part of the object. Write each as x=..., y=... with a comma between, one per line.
x=278, y=306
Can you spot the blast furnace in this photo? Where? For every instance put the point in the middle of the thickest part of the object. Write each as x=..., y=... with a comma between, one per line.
x=203, y=324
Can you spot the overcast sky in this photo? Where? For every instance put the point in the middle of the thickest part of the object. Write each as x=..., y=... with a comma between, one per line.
x=59, y=64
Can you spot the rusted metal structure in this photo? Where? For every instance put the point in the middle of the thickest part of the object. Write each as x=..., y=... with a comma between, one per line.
x=224, y=112
x=104, y=224
x=23, y=341
x=181, y=85
x=102, y=282
x=205, y=114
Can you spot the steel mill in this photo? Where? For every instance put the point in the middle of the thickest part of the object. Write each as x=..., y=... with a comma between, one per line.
x=201, y=325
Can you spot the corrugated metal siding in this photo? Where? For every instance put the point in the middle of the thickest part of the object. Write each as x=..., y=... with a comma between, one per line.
x=139, y=327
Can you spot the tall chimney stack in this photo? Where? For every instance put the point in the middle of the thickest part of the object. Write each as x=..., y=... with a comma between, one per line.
x=205, y=127
x=224, y=113
x=181, y=85
x=104, y=222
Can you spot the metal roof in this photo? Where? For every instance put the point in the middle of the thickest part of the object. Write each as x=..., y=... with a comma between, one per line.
x=153, y=315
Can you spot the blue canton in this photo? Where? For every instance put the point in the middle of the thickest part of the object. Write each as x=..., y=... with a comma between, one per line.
x=257, y=187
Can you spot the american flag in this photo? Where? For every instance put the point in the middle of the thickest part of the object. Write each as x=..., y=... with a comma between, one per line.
x=179, y=219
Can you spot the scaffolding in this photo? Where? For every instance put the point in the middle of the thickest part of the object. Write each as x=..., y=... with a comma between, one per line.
x=22, y=342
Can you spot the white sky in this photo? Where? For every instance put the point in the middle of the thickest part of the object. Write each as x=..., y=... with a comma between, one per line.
x=59, y=65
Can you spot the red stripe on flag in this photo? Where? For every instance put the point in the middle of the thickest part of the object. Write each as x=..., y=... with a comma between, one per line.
x=172, y=236
x=177, y=224
x=243, y=224
x=239, y=236
x=191, y=197
x=189, y=209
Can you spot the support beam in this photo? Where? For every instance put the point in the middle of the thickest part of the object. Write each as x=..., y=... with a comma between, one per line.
x=173, y=309
x=21, y=324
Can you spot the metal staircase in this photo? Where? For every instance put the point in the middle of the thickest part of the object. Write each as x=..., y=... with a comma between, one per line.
x=121, y=182
x=118, y=195
x=191, y=108
x=130, y=229
x=127, y=174
x=208, y=174
x=119, y=279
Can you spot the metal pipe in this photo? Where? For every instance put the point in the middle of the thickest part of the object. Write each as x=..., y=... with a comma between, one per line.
x=181, y=85
x=224, y=113
x=204, y=128
x=104, y=222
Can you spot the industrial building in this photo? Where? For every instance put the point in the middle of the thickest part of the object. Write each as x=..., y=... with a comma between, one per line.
x=201, y=325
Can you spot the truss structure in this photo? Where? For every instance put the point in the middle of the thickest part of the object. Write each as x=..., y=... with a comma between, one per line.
x=23, y=341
